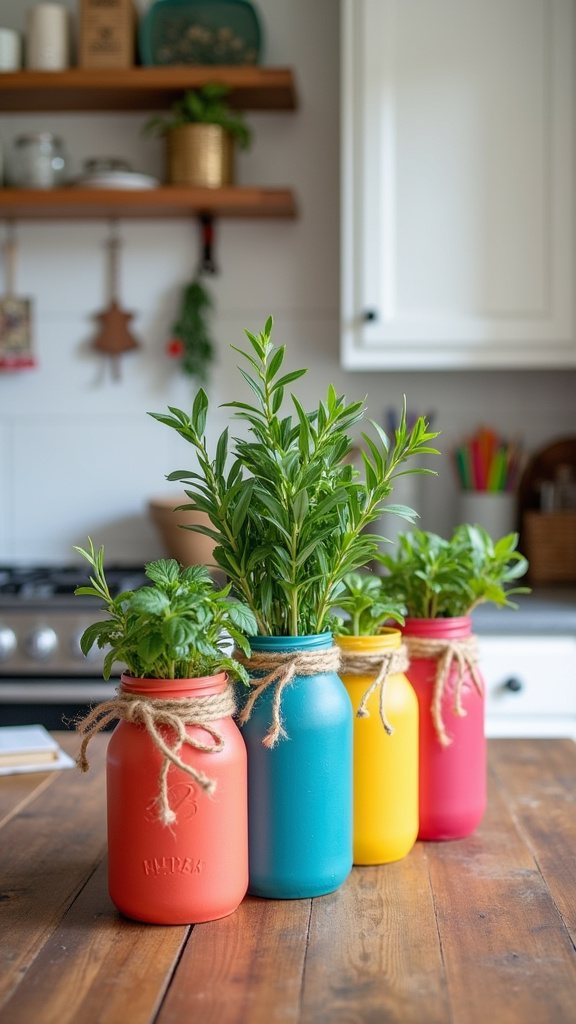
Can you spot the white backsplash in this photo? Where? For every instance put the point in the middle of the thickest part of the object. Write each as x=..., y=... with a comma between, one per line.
x=78, y=454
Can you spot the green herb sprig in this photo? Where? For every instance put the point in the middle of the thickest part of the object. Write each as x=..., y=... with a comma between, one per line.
x=204, y=106
x=170, y=630
x=288, y=512
x=364, y=597
x=436, y=578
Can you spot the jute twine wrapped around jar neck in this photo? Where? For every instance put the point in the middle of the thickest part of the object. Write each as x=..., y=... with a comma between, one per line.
x=280, y=668
x=464, y=652
x=381, y=664
x=174, y=712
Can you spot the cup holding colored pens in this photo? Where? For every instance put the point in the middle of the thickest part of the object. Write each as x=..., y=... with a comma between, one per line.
x=487, y=468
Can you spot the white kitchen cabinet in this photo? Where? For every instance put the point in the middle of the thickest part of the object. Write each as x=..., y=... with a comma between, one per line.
x=458, y=184
x=530, y=685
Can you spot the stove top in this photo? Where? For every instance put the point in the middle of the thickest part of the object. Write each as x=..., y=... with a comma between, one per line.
x=38, y=583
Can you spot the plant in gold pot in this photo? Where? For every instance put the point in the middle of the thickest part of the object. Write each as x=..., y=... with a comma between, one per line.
x=201, y=133
x=176, y=761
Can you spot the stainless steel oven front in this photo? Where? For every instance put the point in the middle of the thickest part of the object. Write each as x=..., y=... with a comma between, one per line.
x=44, y=676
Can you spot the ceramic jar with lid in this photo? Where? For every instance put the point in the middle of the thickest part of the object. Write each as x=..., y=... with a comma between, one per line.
x=38, y=161
x=48, y=37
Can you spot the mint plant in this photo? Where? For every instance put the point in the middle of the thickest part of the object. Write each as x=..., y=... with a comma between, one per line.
x=363, y=596
x=174, y=629
x=287, y=511
x=435, y=578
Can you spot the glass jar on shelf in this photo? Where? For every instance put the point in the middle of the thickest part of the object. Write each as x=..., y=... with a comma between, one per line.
x=38, y=161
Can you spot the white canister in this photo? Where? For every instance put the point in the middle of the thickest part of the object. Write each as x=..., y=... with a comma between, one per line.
x=47, y=38
x=495, y=511
x=10, y=50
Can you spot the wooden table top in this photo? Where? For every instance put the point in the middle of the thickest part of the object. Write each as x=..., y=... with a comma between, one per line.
x=476, y=930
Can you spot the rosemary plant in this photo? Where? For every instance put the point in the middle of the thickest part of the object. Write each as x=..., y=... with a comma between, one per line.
x=288, y=512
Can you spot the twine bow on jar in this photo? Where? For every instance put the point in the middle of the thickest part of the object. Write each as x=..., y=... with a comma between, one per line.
x=464, y=652
x=384, y=665
x=175, y=713
x=280, y=668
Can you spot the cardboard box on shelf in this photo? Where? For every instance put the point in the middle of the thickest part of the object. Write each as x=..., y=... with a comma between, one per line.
x=107, y=34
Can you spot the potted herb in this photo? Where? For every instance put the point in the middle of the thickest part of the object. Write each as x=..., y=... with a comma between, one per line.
x=288, y=516
x=176, y=762
x=373, y=665
x=201, y=133
x=438, y=583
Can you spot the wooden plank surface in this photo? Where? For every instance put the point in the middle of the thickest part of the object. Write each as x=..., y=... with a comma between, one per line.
x=373, y=952
x=164, y=201
x=244, y=969
x=16, y=791
x=143, y=88
x=49, y=851
x=463, y=932
x=537, y=781
x=97, y=967
x=507, y=954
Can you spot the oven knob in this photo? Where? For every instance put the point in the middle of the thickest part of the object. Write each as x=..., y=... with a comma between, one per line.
x=41, y=643
x=7, y=642
x=94, y=654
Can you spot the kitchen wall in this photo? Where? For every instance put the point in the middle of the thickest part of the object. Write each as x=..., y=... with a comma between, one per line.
x=78, y=454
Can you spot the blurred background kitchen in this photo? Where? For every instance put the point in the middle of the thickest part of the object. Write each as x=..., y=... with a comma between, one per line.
x=430, y=157
x=78, y=454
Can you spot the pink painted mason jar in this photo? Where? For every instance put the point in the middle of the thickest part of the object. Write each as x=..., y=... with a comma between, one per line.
x=452, y=743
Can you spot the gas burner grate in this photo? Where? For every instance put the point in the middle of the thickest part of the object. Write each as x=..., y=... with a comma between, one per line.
x=40, y=582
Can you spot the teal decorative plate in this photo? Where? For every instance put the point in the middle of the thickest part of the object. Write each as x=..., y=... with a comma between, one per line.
x=200, y=32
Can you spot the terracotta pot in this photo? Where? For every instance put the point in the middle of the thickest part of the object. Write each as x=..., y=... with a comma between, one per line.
x=201, y=155
x=186, y=546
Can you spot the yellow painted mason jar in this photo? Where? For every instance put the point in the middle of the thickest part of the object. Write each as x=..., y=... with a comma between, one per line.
x=385, y=762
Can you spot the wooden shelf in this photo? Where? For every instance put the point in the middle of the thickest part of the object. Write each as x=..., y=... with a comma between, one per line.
x=142, y=88
x=167, y=201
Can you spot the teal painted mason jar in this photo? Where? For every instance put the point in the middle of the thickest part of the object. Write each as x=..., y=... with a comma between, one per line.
x=300, y=787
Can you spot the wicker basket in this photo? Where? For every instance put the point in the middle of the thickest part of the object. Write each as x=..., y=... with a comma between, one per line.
x=200, y=155
x=549, y=543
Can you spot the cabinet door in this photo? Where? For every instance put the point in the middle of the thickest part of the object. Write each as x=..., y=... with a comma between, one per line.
x=530, y=685
x=458, y=183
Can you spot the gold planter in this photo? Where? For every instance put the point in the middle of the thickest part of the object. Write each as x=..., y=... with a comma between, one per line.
x=201, y=155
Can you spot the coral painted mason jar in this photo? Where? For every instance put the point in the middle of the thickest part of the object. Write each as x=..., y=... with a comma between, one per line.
x=196, y=868
x=300, y=789
x=450, y=691
x=385, y=764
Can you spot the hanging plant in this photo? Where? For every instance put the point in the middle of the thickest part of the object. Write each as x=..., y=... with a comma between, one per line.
x=191, y=340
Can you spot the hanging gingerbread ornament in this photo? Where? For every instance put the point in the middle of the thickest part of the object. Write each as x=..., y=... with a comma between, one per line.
x=114, y=336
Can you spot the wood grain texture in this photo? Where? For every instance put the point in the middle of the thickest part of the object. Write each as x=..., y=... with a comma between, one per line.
x=507, y=954
x=245, y=968
x=373, y=952
x=49, y=850
x=97, y=967
x=475, y=930
x=537, y=782
x=18, y=790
